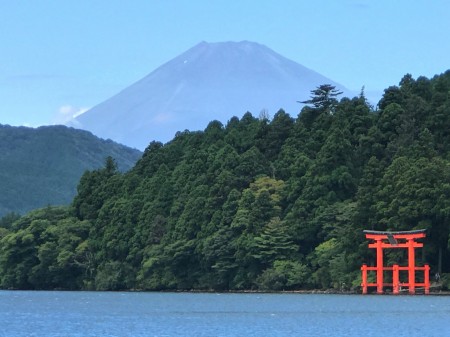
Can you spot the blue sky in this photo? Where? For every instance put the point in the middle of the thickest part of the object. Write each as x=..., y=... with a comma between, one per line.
x=59, y=58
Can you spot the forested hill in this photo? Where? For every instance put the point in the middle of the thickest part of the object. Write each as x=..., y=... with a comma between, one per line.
x=42, y=166
x=254, y=204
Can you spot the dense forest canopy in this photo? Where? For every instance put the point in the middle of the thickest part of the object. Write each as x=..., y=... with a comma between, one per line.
x=257, y=204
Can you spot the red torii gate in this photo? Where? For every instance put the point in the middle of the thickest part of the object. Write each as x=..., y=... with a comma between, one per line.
x=405, y=239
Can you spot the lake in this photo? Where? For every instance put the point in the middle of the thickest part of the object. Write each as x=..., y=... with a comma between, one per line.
x=99, y=314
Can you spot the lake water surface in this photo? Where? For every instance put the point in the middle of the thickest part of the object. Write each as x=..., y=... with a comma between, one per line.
x=99, y=314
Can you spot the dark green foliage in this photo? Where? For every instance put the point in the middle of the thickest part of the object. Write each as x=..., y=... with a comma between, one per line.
x=40, y=167
x=46, y=249
x=324, y=97
x=255, y=204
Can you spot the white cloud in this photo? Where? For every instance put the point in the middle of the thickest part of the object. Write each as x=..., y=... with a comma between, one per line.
x=67, y=113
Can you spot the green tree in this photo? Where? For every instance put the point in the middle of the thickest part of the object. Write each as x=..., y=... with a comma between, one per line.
x=323, y=97
x=284, y=275
x=274, y=243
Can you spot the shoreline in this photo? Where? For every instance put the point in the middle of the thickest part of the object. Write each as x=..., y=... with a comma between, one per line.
x=301, y=292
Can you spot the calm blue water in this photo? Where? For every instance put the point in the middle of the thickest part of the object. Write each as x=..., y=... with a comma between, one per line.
x=99, y=314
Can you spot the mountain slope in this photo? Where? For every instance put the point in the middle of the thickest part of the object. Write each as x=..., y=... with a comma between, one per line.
x=209, y=81
x=40, y=167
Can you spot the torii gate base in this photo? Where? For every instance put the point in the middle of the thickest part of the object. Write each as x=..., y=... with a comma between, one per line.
x=396, y=240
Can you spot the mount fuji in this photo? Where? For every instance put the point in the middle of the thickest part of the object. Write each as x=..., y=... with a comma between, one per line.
x=210, y=81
